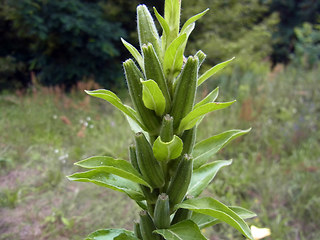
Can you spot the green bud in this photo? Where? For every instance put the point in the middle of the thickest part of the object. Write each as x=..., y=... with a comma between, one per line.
x=147, y=116
x=147, y=227
x=179, y=184
x=149, y=166
x=162, y=212
x=185, y=91
x=147, y=30
x=166, y=130
x=154, y=71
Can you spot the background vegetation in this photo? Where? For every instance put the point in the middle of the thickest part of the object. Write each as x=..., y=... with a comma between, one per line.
x=47, y=47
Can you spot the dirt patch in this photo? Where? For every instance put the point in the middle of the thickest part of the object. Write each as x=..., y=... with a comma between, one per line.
x=17, y=178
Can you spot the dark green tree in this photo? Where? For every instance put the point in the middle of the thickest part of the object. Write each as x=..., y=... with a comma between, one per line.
x=292, y=14
x=65, y=41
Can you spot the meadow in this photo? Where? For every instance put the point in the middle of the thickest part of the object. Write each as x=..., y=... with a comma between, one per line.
x=275, y=170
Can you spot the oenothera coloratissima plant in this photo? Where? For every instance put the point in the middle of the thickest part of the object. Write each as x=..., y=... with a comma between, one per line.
x=168, y=168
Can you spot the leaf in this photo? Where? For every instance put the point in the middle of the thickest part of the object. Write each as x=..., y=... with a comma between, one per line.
x=185, y=230
x=191, y=119
x=204, y=221
x=173, y=57
x=211, y=97
x=212, y=71
x=142, y=204
x=202, y=176
x=172, y=15
x=108, y=234
x=164, y=151
x=115, y=101
x=206, y=148
x=111, y=181
x=216, y=209
x=134, y=52
x=119, y=167
x=152, y=97
x=163, y=22
x=193, y=19
x=134, y=126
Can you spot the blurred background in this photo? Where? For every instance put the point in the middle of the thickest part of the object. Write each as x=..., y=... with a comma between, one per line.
x=50, y=51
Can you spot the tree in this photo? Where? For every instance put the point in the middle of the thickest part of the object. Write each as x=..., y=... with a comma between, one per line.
x=292, y=14
x=235, y=28
x=66, y=41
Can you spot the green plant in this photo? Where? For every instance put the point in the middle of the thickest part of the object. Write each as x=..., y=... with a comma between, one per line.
x=167, y=170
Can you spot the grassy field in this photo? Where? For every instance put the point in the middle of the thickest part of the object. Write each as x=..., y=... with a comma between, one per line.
x=275, y=171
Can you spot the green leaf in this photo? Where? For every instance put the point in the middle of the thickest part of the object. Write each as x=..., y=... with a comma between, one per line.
x=115, y=101
x=206, y=148
x=134, y=126
x=196, y=114
x=204, y=221
x=172, y=16
x=152, y=96
x=109, y=234
x=118, y=167
x=212, y=71
x=164, y=151
x=163, y=22
x=142, y=204
x=185, y=230
x=202, y=176
x=134, y=52
x=104, y=179
x=216, y=209
x=173, y=57
x=193, y=19
x=211, y=97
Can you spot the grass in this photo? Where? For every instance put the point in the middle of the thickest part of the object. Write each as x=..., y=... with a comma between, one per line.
x=275, y=170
